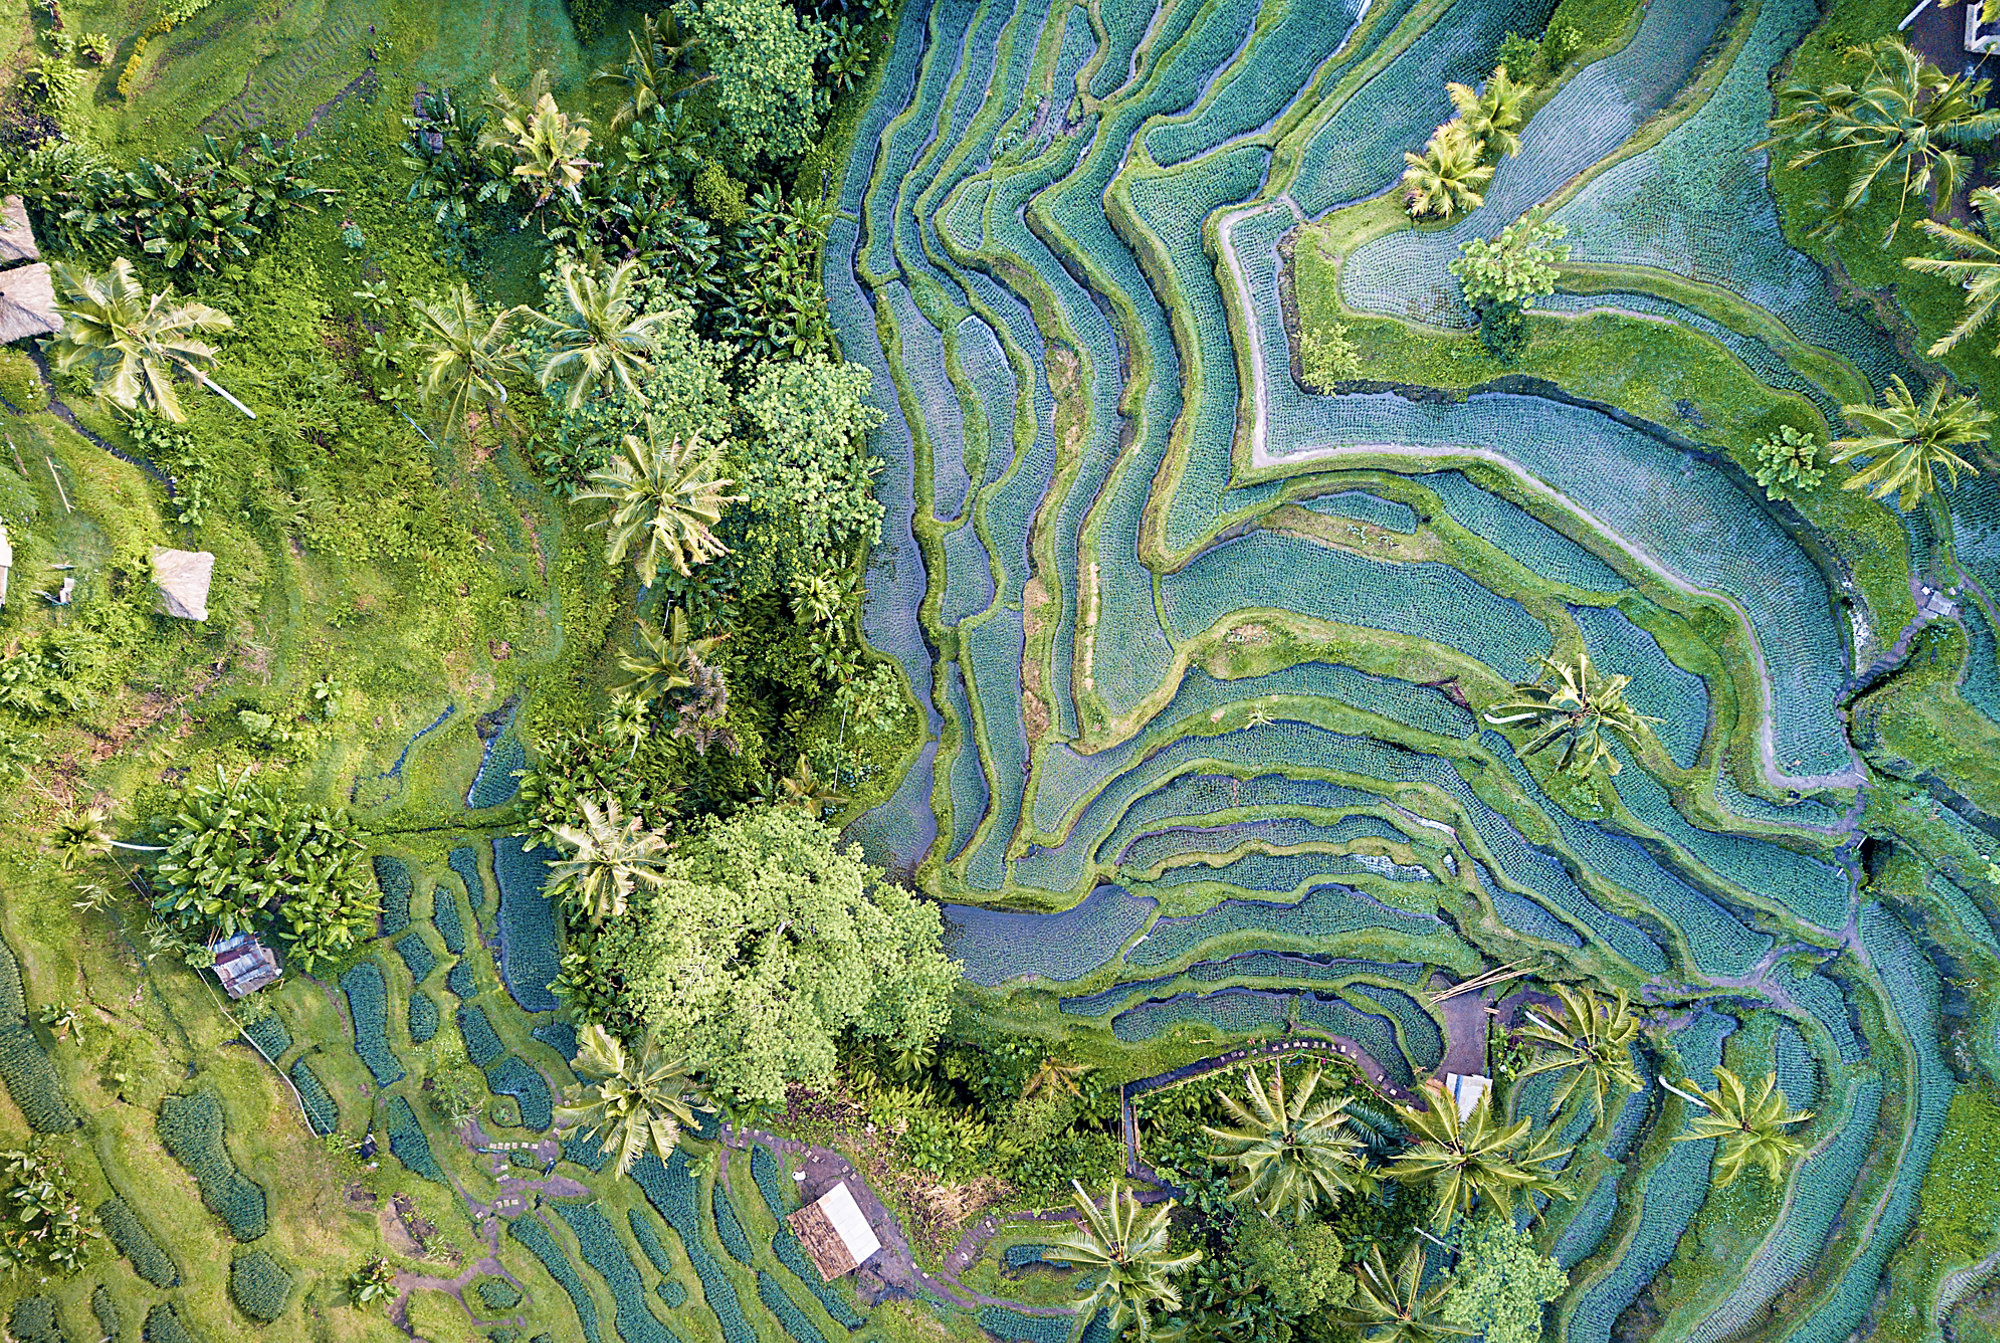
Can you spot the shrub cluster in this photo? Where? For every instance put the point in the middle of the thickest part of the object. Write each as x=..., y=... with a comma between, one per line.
x=191, y=1128
x=497, y=1293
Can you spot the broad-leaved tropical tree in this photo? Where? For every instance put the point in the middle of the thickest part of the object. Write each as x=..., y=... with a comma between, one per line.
x=666, y=499
x=1588, y=1039
x=606, y=855
x=599, y=342
x=1752, y=1126
x=1448, y=177
x=1474, y=1159
x=1974, y=263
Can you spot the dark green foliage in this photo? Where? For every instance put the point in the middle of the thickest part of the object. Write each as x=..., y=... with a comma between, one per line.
x=466, y=863
x=270, y=1034
x=191, y=1128
x=137, y=1244
x=34, y=1320
x=512, y=1077
x=416, y=954
x=729, y=1228
x=368, y=1002
x=204, y=210
x=321, y=1111
x=1015, y=1327
x=482, y=1043
x=675, y=1194
x=259, y=1286
x=606, y=1254
x=24, y=1065
x=671, y=1292
x=424, y=1018
x=559, y=1036
x=460, y=980
x=109, y=1318
x=793, y=1256
x=164, y=1326
x=497, y=1293
x=542, y=1245
x=650, y=1246
x=242, y=857
x=588, y=17
x=530, y=949
x=394, y=878
x=445, y=914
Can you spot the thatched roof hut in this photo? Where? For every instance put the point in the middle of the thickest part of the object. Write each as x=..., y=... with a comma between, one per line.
x=17, y=239
x=182, y=577
x=834, y=1232
x=27, y=303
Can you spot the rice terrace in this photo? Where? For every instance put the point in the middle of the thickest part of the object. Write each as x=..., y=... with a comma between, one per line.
x=1007, y=671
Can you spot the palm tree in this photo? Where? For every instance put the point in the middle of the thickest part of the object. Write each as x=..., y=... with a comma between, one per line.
x=653, y=50
x=636, y=1102
x=1057, y=1077
x=1907, y=444
x=1393, y=1307
x=463, y=352
x=1752, y=1129
x=600, y=340
x=1448, y=176
x=131, y=341
x=669, y=495
x=1578, y=710
x=668, y=661
x=1904, y=124
x=548, y=147
x=1590, y=1036
x=1474, y=1158
x=1492, y=114
x=1128, y=1245
x=1290, y=1155
x=609, y=854
x=808, y=792
x=1974, y=262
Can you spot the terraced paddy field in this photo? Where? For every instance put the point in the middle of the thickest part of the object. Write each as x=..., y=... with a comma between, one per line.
x=1203, y=647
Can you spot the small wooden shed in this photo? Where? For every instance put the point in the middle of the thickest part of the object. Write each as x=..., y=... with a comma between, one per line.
x=244, y=965
x=835, y=1232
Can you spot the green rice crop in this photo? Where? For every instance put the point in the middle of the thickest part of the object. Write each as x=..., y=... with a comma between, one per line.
x=270, y=1034
x=512, y=1077
x=497, y=1294
x=530, y=951
x=797, y=1325
x=393, y=876
x=136, y=1243
x=34, y=1320
x=482, y=1042
x=728, y=1228
x=321, y=1111
x=416, y=954
x=444, y=913
x=191, y=1128
x=648, y=1240
x=24, y=1065
x=793, y=1256
x=531, y=1233
x=109, y=1317
x=1015, y=1327
x=676, y=1196
x=460, y=980
x=368, y=1003
x=409, y=1142
x=770, y=1181
x=465, y=862
x=164, y=1326
x=424, y=1018
x=605, y=1253
x=259, y=1285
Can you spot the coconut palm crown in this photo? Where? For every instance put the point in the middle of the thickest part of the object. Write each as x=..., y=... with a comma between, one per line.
x=1472, y=1159
x=1908, y=444
x=1127, y=1245
x=1392, y=1306
x=1751, y=1127
x=1904, y=124
x=1579, y=709
x=1588, y=1038
x=600, y=342
x=1492, y=113
x=635, y=1102
x=665, y=501
x=1289, y=1154
x=1974, y=263
x=464, y=351
x=131, y=342
x=1448, y=176
x=609, y=854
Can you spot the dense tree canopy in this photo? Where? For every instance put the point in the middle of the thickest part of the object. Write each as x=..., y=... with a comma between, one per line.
x=764, y=941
